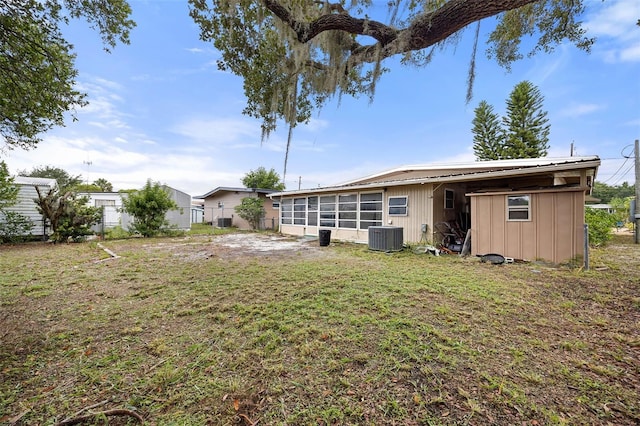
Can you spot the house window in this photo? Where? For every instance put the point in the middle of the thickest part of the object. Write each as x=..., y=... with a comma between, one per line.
x=286, y=211
x=370, y=210
x=448, y=198
x=299, y=211
x=398, y=206
x=105, y=203
x=347, y=210
x=328, y=211
x=312, y=211
x=518, y=207
x=275, y=204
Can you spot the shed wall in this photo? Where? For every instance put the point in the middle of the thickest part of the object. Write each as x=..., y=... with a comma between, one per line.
x=553, y=233
x=26, y=206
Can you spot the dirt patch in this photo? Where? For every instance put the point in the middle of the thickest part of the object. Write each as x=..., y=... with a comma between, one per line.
x=239, y=245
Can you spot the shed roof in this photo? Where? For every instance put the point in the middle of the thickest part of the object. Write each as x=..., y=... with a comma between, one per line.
x=457, y=172
x=36, y=181
x=232, y=189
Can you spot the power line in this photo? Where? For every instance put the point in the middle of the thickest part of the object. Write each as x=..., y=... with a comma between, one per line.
x=622, y=176
x=616, y=172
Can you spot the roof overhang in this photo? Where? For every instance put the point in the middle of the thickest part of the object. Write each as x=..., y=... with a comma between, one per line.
x=564, y=169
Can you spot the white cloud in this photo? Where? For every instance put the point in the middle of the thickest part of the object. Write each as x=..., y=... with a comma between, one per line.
x=614, y=24
x=577, y=110
x=219, y=132
x=315, y=124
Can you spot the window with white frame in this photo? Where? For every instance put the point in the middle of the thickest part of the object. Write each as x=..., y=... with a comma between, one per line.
x=370, y=210
x=328, y=211
x=105, y=203
x=286, y=211
x=347, y=210
x=299, y=211
x=518, y=207
x=449, y=195
x=312, y=211
x=398, y=206
x=275, y=204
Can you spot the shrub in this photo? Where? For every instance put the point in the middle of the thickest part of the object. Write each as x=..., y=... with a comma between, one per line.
x=148, y=207
x=600, y=225
x=14, y=227
x=252, y=210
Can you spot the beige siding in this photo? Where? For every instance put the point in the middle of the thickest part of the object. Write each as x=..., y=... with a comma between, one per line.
x=420, y=211
x=554, y=233
x=230, y=201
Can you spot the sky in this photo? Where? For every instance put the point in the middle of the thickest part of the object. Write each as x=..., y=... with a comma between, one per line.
x=160, y=109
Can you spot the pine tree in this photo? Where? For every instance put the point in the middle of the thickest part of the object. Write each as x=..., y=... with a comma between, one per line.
x=523, y=133
x=526, y=124
x=488, y=136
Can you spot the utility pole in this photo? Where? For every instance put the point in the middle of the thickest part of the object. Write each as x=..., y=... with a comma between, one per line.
x=637, y=210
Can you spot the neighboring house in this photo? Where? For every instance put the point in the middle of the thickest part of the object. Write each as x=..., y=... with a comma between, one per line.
x=113, y=214
x=524, y=209
x=26, y=205
x=606, y=207
x=220, y=203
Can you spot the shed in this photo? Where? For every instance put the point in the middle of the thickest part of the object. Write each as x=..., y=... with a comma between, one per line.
x=26, y=204
x=113, y=214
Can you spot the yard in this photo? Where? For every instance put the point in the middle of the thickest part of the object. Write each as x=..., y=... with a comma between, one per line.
x=256, y=329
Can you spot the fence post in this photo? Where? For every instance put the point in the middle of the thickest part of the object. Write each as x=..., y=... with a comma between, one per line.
x=586, y=247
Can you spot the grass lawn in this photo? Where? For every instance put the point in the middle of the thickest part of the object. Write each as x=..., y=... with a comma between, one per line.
x=184, y=332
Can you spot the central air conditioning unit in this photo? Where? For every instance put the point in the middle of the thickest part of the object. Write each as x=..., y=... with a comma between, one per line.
x=385, y=238
x=224, y=222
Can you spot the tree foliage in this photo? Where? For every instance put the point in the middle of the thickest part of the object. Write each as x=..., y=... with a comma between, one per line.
x=488, y=135
x=37, y=65
x=103, y=184
x=523, y=133
x=294, y=55
x=149, y=207
x=8, y=191
x=526, y=123
x=252, y=210
x=260, y=178
x=63, y=178
x=13, y=225
x=606, y=192
x=68, y=214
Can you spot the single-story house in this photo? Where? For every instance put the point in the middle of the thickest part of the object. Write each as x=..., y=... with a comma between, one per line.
x=220, y=204
x=113, y=214
x=525, y=208
x=25, y=204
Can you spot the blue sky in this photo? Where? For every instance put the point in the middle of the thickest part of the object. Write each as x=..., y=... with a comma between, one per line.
x=160, y=109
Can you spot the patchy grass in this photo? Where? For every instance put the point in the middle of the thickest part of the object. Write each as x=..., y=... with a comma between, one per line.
x=347, y=336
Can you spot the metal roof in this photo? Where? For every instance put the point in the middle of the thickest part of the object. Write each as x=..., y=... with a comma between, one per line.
x=463, y=172
x=36, y=181
x=231, y=189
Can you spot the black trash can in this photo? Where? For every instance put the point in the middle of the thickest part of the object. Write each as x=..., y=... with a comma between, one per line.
x=325, y=237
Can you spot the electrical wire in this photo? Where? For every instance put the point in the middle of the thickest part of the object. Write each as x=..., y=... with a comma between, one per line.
x=616, y=172
x=622, y=176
